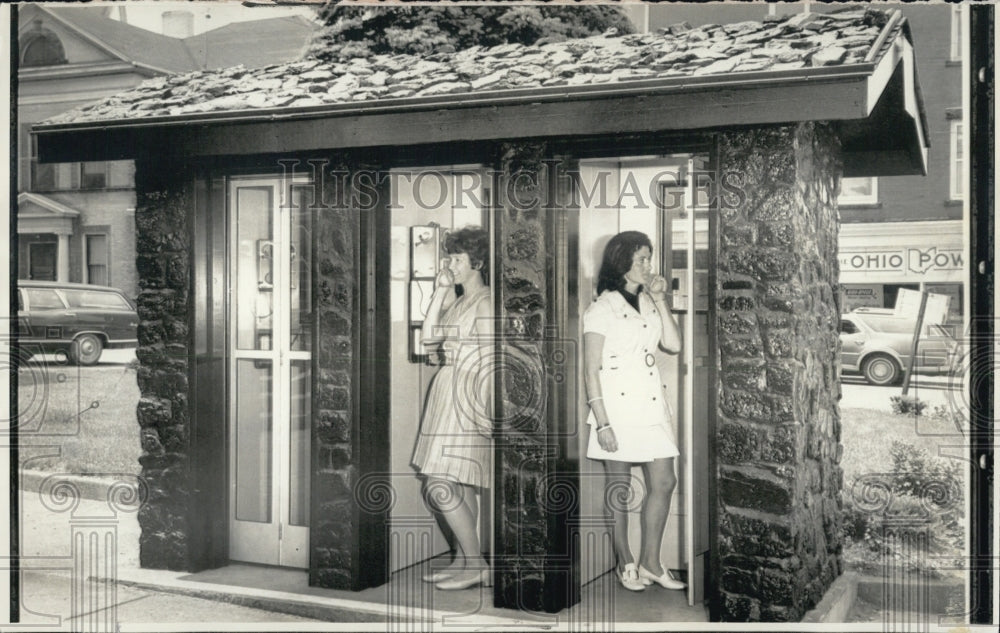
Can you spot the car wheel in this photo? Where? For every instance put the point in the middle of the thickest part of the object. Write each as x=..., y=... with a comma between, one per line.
x=86, y=349
x=881, y=370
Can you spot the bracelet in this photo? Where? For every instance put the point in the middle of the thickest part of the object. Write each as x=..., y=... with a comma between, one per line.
x=603, y=428
x=595, y=399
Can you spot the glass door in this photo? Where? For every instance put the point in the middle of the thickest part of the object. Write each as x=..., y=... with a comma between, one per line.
x=270, y=362
x=686, y=238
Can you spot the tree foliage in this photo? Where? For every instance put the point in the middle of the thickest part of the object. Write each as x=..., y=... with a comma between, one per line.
x=362, y=31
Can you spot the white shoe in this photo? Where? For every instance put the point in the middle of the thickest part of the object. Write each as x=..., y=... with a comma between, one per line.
x=666, y=580
x=629, y=578
x=485, y=578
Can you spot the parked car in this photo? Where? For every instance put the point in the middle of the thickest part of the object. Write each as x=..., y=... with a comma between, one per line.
x=877, y=343
x=78, y=319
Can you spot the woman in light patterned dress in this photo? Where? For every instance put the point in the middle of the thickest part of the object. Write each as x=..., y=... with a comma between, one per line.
x=454, y=451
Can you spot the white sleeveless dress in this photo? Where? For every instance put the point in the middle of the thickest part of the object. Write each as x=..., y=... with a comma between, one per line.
x=630, y=380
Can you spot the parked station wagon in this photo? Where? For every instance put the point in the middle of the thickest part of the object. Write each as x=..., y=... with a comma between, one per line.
x=78, y=319
x=878, y=344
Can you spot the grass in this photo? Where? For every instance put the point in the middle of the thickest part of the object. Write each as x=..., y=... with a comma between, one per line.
x=867, y=436
x=78, y=420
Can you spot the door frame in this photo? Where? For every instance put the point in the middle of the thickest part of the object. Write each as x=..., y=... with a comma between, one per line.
x=278, y=354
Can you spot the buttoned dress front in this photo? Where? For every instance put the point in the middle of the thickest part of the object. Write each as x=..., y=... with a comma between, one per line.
x=631, y=388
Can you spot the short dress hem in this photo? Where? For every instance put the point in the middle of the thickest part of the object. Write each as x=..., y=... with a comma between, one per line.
x=633, y=395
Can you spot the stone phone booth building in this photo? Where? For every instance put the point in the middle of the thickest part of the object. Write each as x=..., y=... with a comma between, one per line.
x=264, y=230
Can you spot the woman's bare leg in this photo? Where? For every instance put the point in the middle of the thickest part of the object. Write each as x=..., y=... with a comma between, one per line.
x=617, y=494
x=660, y=484
x=455, y=503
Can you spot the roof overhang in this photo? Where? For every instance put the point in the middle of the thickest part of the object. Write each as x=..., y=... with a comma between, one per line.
x=875, y=106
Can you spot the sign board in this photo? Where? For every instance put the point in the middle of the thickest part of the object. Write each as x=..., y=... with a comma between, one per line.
x=861, y=296
x=908, y=305
x=917, y=261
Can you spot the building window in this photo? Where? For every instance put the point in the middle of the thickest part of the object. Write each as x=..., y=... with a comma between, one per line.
x=956, y=34
x=96, y=256
x=957, y=189
x=41, y=47
x=115, y=174
x=858, y=191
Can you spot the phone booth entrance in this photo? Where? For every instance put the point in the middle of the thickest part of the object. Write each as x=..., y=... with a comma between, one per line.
x=672, y=207
x=270, y=351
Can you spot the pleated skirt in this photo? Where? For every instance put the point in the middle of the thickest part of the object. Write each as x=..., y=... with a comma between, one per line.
x=449, y=445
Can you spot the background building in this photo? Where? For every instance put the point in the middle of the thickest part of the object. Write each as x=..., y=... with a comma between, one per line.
x=76, y=220
x=900, y=231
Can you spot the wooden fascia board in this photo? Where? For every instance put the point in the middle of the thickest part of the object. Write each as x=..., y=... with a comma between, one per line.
x=880, y=77
x=912, y=103
x=746, y=104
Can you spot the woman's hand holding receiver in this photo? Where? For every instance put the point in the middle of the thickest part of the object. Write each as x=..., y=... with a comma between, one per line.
x=657, y=289
x=445, y=279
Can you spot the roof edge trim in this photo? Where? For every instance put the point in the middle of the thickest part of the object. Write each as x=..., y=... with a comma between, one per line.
x=638, y=88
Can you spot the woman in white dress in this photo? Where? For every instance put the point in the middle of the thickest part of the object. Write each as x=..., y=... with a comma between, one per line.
x=630, y=419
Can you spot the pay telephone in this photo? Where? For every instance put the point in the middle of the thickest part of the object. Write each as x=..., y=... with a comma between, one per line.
x=265, y=284
x=425, y=259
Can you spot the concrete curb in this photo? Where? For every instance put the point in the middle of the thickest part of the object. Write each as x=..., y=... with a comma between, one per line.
x=837, y=601
x=308, y=606
x=95, y=488
x=937, y=594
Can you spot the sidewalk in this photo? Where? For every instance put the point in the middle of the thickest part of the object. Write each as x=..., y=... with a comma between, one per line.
x=47, y=578
x=57, y=599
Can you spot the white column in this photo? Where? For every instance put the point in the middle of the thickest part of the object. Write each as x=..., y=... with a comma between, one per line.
x=62, y=258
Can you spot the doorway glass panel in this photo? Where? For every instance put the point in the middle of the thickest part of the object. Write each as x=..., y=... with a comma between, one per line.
x=254, y=300
x=253, y=440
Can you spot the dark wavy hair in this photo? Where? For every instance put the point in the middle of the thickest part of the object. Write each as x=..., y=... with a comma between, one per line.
x=618, y=259
x=475, y=242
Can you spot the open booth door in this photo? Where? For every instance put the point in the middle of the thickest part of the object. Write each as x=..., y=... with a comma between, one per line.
x=679, y=226
x=688, y=230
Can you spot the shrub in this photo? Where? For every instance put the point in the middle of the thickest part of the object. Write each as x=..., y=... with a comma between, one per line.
x=925, y=500
x=907, y=405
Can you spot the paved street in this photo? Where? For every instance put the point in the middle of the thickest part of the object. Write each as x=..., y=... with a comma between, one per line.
x=934, y=390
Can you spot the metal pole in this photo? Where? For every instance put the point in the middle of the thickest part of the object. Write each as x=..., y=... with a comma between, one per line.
x=916, y=341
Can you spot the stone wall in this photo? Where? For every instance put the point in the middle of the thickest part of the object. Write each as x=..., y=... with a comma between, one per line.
x=778, y=434
x=521, y=450
x=163, y=203
x=533, y=488
x=334, y=522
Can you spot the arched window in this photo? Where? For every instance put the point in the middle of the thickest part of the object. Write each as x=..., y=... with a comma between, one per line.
x=41, y=47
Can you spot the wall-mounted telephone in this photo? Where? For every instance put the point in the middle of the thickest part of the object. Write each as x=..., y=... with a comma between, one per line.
x=265, y=264
x=425, y=257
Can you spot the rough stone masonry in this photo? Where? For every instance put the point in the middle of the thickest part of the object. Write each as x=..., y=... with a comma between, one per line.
x=778, y=434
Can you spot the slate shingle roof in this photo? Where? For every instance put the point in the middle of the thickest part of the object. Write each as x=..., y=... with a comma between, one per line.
x=794, y=42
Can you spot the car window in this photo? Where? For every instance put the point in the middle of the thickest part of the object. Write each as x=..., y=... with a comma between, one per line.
x=43, y=299
x=94, y=299
x=890, y=325
x=940, y=330
x=847, y=327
